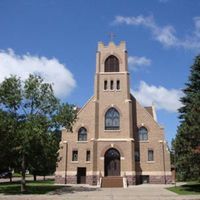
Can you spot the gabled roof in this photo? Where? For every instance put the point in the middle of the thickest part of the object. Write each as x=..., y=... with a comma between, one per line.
x=149, y=110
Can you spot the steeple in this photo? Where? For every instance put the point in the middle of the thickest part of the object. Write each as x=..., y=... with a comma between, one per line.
x=112, y=70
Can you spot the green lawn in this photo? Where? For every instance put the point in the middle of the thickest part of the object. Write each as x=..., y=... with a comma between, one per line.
x=37, y=187
x=192, y=188
x=19, y=175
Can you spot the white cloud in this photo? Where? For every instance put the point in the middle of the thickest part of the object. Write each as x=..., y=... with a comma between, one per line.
x=163, y=98
x=197, y=26
x=50, y=69
x=166, y=35
x=135, y=62
x=139, y=20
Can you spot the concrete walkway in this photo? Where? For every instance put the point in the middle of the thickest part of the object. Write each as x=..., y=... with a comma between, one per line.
x=140, y=192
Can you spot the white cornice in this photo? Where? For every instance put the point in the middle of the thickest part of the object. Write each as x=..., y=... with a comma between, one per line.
x=111, y=73
x=113, y=139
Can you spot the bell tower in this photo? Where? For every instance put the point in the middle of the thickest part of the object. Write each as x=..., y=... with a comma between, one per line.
x=112, y=89
x=111, y=69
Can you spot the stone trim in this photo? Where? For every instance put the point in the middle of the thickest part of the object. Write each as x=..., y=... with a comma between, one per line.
x=88, y=173
x=110, y=73
x=159, y=173
x=123, y=173
x=114, y=139
x=103, y=60
x=111, y=146
x=128, y=173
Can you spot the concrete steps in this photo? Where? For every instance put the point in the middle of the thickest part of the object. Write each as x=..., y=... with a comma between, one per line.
x=112, y=181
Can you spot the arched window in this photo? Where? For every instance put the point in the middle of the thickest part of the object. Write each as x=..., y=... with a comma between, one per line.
x=82, y=134
x=143, y=133
x=112, y=119
x=112, y=64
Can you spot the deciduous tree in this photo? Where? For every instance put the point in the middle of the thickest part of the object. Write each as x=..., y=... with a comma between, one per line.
x=36, y=111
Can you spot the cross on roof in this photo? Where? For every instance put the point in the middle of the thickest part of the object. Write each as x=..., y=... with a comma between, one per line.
x=111, y=36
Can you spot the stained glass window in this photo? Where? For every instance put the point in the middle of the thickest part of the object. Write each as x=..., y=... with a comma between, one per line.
x=82, y=134
x=112, y=119
x=143, y=133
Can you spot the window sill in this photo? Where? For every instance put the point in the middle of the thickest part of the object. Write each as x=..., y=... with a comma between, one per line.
x=112, y=130
x=88, y=162
x=115, y=90
x=143, y=141
x=74, y=162
x=109, y=90
x=82, y=141
x=151, y=162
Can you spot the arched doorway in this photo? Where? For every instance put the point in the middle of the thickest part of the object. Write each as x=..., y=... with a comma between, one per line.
x=112, y=162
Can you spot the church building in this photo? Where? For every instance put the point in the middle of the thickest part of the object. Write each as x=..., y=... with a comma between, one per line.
x=115, y=141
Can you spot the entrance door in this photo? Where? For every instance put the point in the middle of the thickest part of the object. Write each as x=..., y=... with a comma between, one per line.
x=112, y=162
x=81, y=175
x=144, y=179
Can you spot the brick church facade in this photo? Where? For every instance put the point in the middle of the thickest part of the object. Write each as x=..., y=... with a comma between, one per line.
x=113, y=136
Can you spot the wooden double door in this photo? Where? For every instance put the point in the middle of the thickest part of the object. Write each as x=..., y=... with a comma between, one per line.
x=112, y=162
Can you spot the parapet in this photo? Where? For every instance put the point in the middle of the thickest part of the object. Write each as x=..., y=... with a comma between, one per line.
x=102, y=46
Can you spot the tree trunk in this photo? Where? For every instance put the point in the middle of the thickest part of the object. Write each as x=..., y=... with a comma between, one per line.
x=35, y=177
x=23, y=180
x=11, y=178
x=43, y=178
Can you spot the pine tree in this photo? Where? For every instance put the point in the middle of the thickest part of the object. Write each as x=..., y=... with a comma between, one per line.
x=187, y=141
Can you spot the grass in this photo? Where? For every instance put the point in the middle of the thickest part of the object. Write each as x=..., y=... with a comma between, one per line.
x=191, y=188
x=37, y=187
x=19, y=175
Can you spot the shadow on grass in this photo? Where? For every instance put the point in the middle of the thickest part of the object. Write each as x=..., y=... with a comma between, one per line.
x=190, y=188
x=71, y=189
x=41, y=187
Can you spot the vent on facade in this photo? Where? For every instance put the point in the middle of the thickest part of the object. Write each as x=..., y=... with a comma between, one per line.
x=88, y=155
x=111, y=85
x=105, y=85
x=118, y=85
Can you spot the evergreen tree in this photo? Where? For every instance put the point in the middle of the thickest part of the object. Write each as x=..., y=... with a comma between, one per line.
x=187, y=141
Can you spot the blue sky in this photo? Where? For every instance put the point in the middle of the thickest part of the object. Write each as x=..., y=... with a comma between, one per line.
x=58, y=39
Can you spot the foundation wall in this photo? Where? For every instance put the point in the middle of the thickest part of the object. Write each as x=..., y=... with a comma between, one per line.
x=71, y=179
x=131, y=180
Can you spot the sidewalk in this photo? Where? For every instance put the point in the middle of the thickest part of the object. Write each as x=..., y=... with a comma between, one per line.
x=140, y=192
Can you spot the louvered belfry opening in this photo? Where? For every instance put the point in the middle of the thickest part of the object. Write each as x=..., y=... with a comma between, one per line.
x=112, y=64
